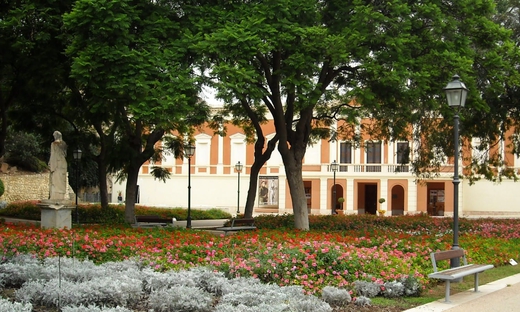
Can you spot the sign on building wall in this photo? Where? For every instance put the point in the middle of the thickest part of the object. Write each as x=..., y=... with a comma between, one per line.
x=268, y=191
x=436, y=196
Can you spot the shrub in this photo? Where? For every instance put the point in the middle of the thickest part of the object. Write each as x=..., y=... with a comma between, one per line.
x=412, y=286
x=393, y=289
x=28, y=210
x=23, y=150
x=362, y=301
x=367, y=289
x=2, y=188
x=180, y=298
x=113, y=214
x=93, y=308
x=335, y=296
x=6, y=305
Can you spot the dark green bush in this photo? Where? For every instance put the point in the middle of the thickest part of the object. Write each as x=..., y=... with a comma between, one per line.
x=23, y=150
x=2, y=188
x=114, y=214
x=28, y=210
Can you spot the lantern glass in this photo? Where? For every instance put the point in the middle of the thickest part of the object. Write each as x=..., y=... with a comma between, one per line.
x=456, y=92
x=77, y=154
x=189, y=150
x=334, y=166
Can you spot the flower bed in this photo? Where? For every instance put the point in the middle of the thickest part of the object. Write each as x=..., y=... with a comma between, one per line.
x=348, y=250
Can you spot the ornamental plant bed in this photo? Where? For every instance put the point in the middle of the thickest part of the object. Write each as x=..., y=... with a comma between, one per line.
x=338, y=250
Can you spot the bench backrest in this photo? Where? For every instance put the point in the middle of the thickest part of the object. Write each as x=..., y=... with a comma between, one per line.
x=151, y=219
x=238, y=222
x=447, y=255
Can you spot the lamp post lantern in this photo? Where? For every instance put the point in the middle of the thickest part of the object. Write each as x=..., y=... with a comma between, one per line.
x=456, y=93
x=238, y=168
x=189, y=150
x=77, y=157
x=334, y=167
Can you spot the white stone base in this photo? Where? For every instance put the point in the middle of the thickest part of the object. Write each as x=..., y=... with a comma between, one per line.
x=56, y=216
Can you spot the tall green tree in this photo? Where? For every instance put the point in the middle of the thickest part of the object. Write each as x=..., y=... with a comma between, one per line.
x=33, y=68
x=133, y=71
x=307, y=60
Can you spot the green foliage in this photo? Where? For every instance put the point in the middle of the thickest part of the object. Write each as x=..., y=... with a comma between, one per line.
x=131, y=61
x=308, y=61
x=2, y=188
x=28, y=210
x=182, y=214
x=160, y=173
x=284, y=221
x=113, y=214
x=23, y=150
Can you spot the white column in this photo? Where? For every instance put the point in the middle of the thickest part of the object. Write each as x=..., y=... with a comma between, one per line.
x=220, y=155
x=412, y=196
x=349, y=201
x=324, y=199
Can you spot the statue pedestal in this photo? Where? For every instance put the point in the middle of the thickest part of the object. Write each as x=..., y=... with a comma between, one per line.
x=56, y=214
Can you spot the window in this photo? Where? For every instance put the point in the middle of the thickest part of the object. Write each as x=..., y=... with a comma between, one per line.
x=373, y=150
x=403, y=153
x=203, y=149
x=238, y=149
x=345, y=155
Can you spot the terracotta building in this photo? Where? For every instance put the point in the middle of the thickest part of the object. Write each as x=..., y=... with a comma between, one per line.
x=368, y=172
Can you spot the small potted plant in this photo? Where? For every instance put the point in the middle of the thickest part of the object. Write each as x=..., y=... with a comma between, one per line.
x=339, y=205
x=381, y=211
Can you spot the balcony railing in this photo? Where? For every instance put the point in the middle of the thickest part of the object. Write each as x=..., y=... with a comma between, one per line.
x=372, y=168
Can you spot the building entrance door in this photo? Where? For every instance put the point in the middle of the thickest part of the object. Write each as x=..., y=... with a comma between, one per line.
x=371, y=198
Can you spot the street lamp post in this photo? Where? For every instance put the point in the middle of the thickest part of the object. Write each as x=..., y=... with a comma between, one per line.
x=77, y=157
x=334, y=167
x=456, y=93
x=189, y=150
x=238, y=168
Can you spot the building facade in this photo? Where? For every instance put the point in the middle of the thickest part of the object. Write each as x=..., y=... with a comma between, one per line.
x=367, y=173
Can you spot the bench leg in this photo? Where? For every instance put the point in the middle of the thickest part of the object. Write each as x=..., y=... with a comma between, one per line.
x=447, y=295
x=476, y=282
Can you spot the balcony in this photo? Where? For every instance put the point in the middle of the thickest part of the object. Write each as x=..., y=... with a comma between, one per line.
x=373, y=168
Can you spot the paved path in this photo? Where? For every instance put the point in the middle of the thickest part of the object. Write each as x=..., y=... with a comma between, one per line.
x=501, y=296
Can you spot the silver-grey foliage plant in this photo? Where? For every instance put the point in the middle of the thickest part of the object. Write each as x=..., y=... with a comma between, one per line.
x=93, y=308
x=6, y=305
x=367, y=289
x=335, y=296
x=78, y=286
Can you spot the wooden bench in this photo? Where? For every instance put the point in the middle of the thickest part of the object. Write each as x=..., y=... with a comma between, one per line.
x=238, y=225
x=152, y=220
x=457, y=273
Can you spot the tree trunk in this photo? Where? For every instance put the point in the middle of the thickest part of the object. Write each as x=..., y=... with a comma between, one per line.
x=103, y=187
x=101, y=161
x=293, y=171
x=251, y=193
x=140, y=156
x=292, y=147
x=260, y=159
x=131, y=192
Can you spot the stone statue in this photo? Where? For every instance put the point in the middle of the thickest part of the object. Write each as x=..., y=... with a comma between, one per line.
x=58, y=166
